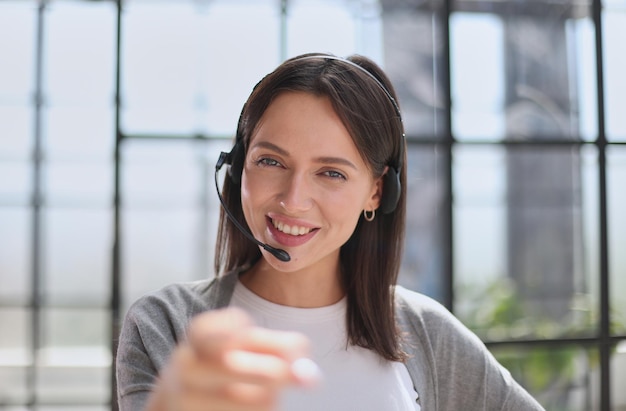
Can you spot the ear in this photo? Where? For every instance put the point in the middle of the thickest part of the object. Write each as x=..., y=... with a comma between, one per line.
x=377, y=192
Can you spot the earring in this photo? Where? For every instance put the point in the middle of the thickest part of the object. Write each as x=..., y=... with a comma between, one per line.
x=369, y=215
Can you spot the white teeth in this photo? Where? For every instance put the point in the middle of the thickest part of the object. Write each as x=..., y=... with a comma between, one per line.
x=287, y=229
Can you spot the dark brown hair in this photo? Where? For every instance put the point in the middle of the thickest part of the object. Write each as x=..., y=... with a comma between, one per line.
x=370, y=259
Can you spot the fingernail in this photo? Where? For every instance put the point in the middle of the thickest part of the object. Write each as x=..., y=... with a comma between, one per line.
x=306, y=370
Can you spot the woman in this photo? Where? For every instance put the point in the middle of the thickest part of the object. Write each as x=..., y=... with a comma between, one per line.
x=304, y=313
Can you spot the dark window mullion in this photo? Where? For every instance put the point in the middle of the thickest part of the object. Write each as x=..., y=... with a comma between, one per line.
x=284, y=6
x=116, y=274
x=37, y=204
x=605, y=332
x=448, y=140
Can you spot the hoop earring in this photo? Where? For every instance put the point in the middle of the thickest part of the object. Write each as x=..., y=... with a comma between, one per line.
x=369, y=215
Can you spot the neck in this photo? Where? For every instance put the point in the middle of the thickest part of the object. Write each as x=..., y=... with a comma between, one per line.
x=295, y=289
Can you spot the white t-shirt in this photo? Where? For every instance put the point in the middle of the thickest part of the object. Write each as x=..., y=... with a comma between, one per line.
x=353, y=378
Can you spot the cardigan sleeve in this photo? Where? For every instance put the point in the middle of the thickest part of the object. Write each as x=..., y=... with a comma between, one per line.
x=153, y=326
x=452, y=367
x=146, y=341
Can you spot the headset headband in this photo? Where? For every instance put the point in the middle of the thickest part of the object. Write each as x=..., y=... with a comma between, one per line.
x=392, y=184
x=358, y=67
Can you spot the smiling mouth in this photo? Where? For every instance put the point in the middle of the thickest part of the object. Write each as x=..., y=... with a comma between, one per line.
x=291, y=230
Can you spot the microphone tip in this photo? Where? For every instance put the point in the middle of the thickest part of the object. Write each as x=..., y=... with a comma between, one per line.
x=282, y=255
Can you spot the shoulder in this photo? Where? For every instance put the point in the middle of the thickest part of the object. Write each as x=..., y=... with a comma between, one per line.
x=154, y=324
x=175, y=304
x=176, y=293
x=177, y=297
x=432, y=323
x=417, y=301
x=462, y=373
x=192, y=297
x=420, y=309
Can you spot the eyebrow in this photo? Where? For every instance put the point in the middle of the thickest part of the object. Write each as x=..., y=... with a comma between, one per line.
x=323, y=160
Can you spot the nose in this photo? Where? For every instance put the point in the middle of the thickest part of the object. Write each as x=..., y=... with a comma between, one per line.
x=297, y=195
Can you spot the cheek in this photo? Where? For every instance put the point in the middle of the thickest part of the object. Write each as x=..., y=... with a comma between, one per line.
x=253, y=189
x=255, y=195
x=344, y=209
x=247, y=197
x=351, y=201
x=343, y=225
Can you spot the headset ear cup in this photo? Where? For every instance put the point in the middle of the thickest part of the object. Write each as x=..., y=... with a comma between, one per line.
x=236, y=163
x=391, y=191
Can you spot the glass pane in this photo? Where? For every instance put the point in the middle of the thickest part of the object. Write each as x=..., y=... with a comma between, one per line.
x=16, y=189
x=74, y=363
x=79, y=44
x=15, y=255
x=614, y=31
x=253, y=28
x=424, y=242
x=15, y=337
x=590, y=256
x=413, y=60
x=161, y=42
x=58, y=408
x=170, y=213
x=342, y=33
x=15, y=355
x=618, y=377
x=13, y=387
x=161, y=173
x=525, y=241
x=16, y=131
x=73, y=408
x=79, y=131
x=478, y=79
x=183, y=41
x=582, y=49
x=616, y=175
x=519, y=75
x=79, y=183
x=18, y=29
x=479, y=208
x=76, y=337
x=159, y=248
x=77, y=256
x=561, y=379
x=17, y=46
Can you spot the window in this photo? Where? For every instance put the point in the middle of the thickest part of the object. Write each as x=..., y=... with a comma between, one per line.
x=112, y=115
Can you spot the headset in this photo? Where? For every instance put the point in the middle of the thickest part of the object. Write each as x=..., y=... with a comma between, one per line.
x=392, y=187
x=391, y=180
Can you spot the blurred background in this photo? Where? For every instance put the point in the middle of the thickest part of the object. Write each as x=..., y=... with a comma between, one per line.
x=113, y=113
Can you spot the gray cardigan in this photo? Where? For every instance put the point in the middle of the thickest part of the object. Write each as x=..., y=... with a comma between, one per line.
x=450, y=367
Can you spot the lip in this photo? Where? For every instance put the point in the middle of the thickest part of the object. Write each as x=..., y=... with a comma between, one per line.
x=289, y=240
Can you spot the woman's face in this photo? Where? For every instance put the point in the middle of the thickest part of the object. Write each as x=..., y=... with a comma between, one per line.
x=304, y=183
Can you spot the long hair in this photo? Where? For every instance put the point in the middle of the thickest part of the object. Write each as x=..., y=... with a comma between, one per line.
x=370, y=259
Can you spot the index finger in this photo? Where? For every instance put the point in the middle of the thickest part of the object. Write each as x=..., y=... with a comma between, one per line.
x=228, y=339
x=213, y=332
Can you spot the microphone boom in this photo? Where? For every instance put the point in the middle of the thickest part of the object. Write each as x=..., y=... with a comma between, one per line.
x=282, y=255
